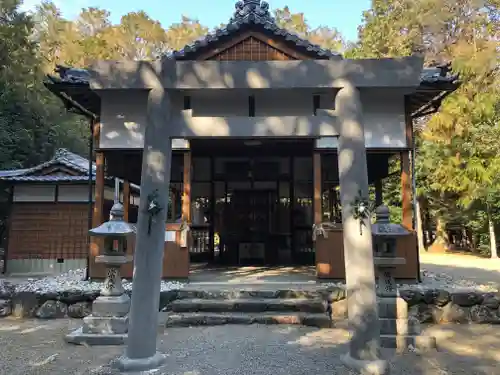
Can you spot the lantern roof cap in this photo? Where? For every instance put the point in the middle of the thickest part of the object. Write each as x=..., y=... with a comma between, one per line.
x=115, y=226
x=383, y=226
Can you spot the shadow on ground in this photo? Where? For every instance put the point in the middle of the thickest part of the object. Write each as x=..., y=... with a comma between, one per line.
x=35, y=347
x=251, y=274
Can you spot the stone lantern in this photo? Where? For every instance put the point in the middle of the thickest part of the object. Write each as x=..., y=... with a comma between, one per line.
x=108, y=323
x=385, y=235
x=396, y=330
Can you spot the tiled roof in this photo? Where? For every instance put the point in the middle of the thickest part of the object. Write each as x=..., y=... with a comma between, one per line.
x=47, y=178
x=61, y=157
x=66, y=158
x=70, y=75
x=253, y=12
x=13, y=172
x=437, y=74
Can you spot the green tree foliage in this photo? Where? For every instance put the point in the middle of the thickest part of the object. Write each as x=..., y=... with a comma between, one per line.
x=457, y=159
x=324, y=36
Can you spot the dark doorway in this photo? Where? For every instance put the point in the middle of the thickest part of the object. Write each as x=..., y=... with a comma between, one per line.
x=252, y=202
x=247, y=229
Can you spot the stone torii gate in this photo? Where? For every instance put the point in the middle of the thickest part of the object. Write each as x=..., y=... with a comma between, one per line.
x=165, y=120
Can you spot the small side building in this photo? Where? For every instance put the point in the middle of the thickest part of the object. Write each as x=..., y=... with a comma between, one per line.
x=50, y=212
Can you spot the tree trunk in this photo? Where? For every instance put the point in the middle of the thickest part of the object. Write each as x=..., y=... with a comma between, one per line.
x=440, y=244
x=491, y=228
x=420, y=232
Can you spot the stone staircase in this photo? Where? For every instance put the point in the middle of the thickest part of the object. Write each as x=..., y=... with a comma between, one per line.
x=317, y=306
x=194, y=307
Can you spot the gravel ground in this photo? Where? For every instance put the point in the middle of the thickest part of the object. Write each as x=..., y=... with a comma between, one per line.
x=439, y=271
x=37, y=348
x=461, y=270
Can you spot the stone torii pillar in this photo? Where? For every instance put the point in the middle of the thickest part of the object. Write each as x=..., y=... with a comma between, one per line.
x=141, y=354
x=363, y=355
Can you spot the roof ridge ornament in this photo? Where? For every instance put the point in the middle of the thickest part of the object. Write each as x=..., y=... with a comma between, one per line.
x=246, y=8
x=60, y=153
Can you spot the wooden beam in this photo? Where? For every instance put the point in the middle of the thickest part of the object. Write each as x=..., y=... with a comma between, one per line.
x=98, y=208
x=318, y=211
x=186, y=188
x=98, y=216
x=126, y=200
x=406, y=188
x=408, y=123
x=379, y=192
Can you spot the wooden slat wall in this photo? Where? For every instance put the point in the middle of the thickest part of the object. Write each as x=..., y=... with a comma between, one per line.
x=251, y=49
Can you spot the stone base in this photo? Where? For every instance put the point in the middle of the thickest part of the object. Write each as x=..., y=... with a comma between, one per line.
x=104, y=325
x=375, y=367
x=126, y=364
x=78, y=337
x=399, y=327
x=402, y=342
x=111, y=305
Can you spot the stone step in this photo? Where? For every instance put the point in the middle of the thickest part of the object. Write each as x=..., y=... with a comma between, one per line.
x=399, y=326
x=334, y=293
x=212, y=319
x=253, y=305
x=403, y=342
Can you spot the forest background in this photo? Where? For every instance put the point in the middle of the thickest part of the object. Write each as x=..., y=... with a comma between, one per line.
x=457, y=165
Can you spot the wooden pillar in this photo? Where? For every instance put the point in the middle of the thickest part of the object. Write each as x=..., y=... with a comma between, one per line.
x=407, y=219
x=98, y=210
x=379, y=193
x=406, y=181
x=318, y=211
x=186, y=188
x=126, y=200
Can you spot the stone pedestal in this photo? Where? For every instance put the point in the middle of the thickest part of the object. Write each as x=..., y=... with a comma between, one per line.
x=397, y=331
x=108, y=323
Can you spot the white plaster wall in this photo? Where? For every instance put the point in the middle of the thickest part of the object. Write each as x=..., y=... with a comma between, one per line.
x=73, y=193
x=219, y=103
x=123, y=115
x=34, y=193
x=66, y=193
x=123, y=118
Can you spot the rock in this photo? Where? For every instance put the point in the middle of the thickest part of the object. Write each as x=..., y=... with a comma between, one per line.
x=466, y=299
x=70, y=297
x=339, y=309
x=80, y=310
x=7, y=290
x=336, y=294
x=422, y=313
x=25, y=304
x=484, y=315
x=411, y=297
x=436, y=297
x=453, y=313
x=5, y=308
x=441, y=298
x=52, y=310
x=166, y=297
x=492, y=301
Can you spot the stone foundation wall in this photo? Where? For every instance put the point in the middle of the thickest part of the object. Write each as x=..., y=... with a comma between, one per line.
x=432, y=306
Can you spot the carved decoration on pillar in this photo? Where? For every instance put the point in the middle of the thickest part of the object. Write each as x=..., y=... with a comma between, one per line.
x=362, y=209
x=153, y=209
